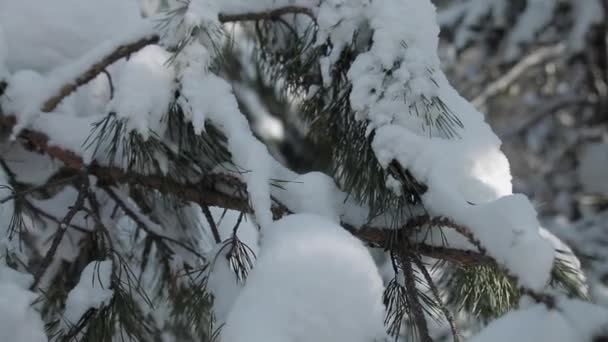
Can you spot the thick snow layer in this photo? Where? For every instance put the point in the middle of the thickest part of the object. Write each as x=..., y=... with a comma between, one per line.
x=313, y=282
x=92, y=291
x=573, y=320
x=468, y=176
x=464, y=184
x=313, y=193
x=40, y=36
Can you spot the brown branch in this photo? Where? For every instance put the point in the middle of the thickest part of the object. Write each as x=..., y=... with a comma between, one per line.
x=274, y=14
x=207, y=193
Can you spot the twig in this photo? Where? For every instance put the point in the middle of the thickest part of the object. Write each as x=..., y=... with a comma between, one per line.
x=32, y=189
x=140, y=222
x=61, y=229
x=97, y=68
x=38, y=211
x=212, y=225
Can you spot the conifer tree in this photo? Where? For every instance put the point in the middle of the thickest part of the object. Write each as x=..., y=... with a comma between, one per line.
x=146, y=195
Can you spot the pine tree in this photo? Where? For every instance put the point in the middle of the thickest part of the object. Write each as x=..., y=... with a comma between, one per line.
x=146, y=197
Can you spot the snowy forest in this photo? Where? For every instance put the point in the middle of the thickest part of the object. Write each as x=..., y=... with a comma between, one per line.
x=304, y=170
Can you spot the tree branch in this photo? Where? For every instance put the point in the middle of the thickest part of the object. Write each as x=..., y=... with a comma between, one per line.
x=96, y=69
x=206, y=193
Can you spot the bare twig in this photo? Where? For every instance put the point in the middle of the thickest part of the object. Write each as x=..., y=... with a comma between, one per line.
x=212, y=225
x=62, y=227
x=140, y=223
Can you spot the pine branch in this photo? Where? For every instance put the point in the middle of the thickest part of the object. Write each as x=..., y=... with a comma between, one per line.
x=206, y=193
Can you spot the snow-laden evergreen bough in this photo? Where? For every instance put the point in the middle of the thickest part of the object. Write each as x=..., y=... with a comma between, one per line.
x=135, y=195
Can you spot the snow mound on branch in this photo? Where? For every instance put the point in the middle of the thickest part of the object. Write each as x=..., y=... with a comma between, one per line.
x=144, y=90
x=314, y=193
x=81, y=25
x=92, y=291
x=313, y=282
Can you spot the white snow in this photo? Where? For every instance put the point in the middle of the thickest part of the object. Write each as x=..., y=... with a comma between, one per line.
x=92, y=291
x=144, y=90
x=42, y=37
x=19, y=322
x=313, y=193
x=573, y=320
x=468, y=176
x=313, y=282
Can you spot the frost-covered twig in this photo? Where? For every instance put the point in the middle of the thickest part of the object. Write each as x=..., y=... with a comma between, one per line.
x=95, y=69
